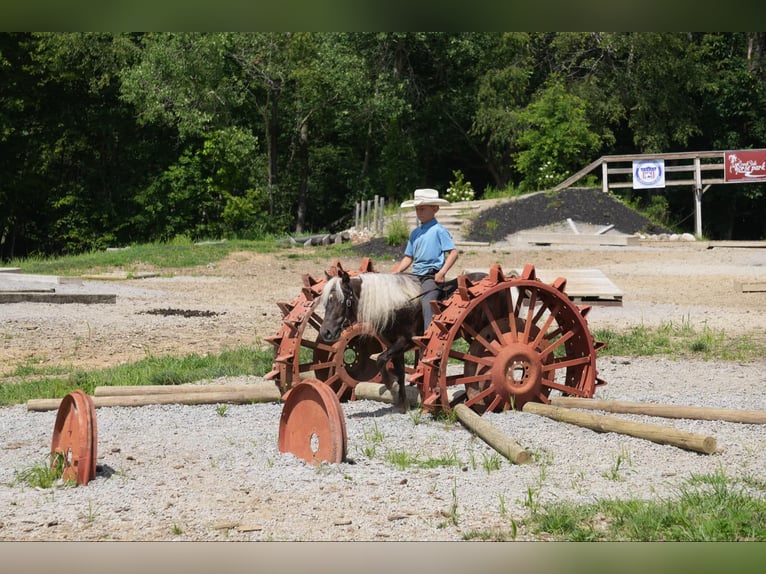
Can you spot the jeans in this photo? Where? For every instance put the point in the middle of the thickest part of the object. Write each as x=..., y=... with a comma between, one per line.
x=430, y=290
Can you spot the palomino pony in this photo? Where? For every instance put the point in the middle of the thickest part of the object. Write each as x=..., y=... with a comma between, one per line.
x=389, y=304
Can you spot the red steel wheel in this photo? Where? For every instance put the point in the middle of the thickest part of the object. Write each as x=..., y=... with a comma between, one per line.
x=312, y=425
x=300, y=350
x=348, y=361
x=506, y=341
x=75, y=438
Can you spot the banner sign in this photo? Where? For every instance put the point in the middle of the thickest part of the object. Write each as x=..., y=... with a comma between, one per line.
x=648, y=174
x=744, y=166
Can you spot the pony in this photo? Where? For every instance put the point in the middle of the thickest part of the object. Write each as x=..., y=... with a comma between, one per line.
x=389, y=305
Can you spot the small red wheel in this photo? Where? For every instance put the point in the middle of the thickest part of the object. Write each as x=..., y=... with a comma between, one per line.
x=312, y=425
x=75, y=437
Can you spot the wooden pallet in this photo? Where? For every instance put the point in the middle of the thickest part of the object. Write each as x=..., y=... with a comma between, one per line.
x=585, y=286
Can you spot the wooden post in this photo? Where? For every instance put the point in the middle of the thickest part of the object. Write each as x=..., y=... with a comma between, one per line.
x=666, y=411
x=382, y=215
x=369, y=214
x=492, y=436
x=257, y=395
x=379, y=392
x=132, y=390
x=356, y=216
x=602, y=423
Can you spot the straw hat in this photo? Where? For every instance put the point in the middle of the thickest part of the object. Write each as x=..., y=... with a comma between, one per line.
x=425, y=197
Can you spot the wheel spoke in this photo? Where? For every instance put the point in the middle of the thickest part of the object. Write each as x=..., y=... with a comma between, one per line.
x=566, y=363
x=481, y=378
x=479, y=396
x=545, y=353
x=491, y=318
x=471, y=358
x=477, y=337
x=496, y=402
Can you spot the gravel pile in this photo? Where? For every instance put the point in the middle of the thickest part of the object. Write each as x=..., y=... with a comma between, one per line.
x=583, y=205
x=174, y=472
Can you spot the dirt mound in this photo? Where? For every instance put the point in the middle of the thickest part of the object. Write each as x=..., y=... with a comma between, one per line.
x=585, y=205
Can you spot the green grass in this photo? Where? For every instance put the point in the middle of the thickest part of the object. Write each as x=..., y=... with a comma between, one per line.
x=707, y=508
x=403, y=460
x=148, y=371
x=45, y=474
x=680, y=340
x=179, y=253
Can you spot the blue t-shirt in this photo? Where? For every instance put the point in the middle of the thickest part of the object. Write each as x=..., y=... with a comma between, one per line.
x=426, y=246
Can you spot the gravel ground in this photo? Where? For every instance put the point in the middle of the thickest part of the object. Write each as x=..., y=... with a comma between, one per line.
x=199, y=475
x=177, y=472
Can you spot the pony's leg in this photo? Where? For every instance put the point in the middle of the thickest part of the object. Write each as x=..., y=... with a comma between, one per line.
x=395, y=353
x=398, y=361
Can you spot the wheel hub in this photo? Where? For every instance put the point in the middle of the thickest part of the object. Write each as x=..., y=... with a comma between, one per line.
x=517, y=373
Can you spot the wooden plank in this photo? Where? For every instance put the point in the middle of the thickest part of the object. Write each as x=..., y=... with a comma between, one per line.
x=32, y=277
x=754, y=287
x=31, y=297
x=737, y=244
x=540, y=238
x=120, y=276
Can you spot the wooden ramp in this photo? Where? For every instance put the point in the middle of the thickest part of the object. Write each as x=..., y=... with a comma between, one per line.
x=542, y=238
x=584, y=286
x=18, y=287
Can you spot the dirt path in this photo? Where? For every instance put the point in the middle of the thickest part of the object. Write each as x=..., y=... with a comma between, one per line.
x=234, y=302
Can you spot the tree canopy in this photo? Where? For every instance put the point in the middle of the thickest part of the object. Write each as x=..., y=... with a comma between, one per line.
x=112, y=138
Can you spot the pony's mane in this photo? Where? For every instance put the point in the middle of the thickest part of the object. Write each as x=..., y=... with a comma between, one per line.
x=381, y=296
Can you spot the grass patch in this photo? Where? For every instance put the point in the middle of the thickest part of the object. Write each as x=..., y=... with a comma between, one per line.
x=46, y=473
x=403, y=460
x=178, y=253
x=149, y=371
x=708, y=508
x=680, y=340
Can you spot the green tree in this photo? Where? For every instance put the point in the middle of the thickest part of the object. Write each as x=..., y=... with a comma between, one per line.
x=557, y=138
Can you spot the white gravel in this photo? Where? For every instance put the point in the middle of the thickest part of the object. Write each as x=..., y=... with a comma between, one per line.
x=174, y=472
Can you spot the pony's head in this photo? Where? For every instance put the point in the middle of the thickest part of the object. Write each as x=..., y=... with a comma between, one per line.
x=340, y=299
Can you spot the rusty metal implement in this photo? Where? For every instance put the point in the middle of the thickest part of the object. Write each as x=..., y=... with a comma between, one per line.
x=312, y=425
x=75, y=438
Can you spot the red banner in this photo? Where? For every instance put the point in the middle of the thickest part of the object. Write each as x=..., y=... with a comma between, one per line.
x=744, y=165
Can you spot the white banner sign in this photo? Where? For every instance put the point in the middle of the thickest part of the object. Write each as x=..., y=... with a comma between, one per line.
x=648, y=174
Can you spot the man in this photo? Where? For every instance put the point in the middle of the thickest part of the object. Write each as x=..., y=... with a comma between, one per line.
x=430, y=249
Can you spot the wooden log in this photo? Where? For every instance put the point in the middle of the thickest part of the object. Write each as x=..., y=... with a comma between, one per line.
x=127, y=390
x=379, y=392
x=492, y=436
x=666, y=411
x=257, y=395
x=602, y=423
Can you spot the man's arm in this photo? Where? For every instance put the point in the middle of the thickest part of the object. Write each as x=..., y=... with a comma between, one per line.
x=449, y=261
x=402, y=265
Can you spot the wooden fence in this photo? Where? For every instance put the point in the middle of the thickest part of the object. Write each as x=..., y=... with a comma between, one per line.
x=368, y=215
